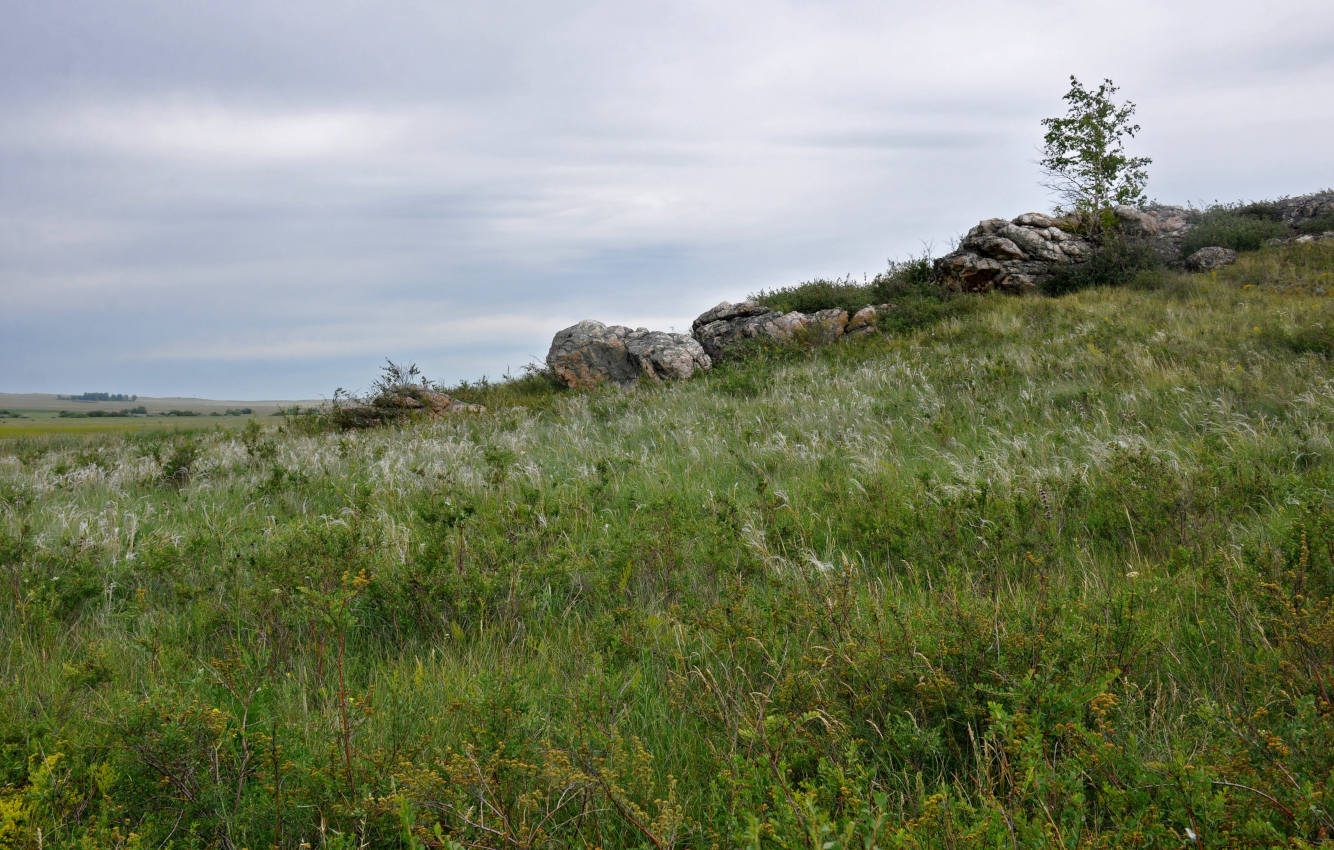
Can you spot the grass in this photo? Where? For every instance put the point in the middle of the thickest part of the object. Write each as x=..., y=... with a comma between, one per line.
x=1037, y=572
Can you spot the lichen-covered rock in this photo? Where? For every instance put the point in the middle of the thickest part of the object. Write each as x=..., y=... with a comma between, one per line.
x=666, y=356
x=1011, y=256
x=864, y=320
x=1018, y=255
x=721, y=327
x=1210, y=258
x=825, y=326
x=727, y=311
x=591, y=353
x=724, y=326
x=1304, y=209
x=1158, y=223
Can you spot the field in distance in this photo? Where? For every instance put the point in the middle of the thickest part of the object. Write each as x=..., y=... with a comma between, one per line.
x=31, y=414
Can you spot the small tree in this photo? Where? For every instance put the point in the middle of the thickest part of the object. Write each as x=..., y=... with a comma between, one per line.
x=1084, y=152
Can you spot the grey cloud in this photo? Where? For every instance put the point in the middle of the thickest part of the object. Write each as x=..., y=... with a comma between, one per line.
x=889, y=141
x=263, y=199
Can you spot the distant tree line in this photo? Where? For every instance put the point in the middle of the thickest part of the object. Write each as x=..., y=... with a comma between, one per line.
x=102, y=414
x=143, y=411
x=99, y=397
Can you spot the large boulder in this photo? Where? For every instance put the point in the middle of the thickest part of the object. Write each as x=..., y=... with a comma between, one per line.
x=666, y=356
x=726, y=325
x=1210, y=258
x=591, y=353
x=864, y=320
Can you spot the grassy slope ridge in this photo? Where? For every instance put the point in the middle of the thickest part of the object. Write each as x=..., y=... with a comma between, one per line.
x=1048, y=572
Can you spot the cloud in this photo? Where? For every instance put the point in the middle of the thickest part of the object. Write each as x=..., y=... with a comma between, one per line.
x=267, y=194
x=366, y=337
x=188, y=129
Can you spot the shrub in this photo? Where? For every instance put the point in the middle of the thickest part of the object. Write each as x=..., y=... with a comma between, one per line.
x=819, y=294
x=1117, y=261
x=903, y=277
x=400, y=393
x=179, y=466
x=534, y=387
x=1239, y=228
x=1317, y=225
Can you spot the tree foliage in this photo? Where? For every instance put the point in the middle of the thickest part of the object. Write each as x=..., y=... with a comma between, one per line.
x=1084, y=153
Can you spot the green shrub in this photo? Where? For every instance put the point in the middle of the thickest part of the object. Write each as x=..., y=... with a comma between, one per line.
x=1241, y=229
x=902, y=276
x=534, y=387
x=819, y=294
x=1117, y=262
x=179, y=466
x=1317, y=225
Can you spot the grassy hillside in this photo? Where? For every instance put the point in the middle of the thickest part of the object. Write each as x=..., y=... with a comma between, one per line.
x=1035, y=572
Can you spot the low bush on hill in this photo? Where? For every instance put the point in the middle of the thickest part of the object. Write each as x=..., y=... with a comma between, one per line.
x=1119, y=260
x=902, y=278
x=1244, y=228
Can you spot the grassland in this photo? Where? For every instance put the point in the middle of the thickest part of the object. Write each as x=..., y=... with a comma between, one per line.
x=1034, y=572
x=39, y=414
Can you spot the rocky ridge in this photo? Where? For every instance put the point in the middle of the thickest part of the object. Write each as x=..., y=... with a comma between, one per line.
x=1003, y=255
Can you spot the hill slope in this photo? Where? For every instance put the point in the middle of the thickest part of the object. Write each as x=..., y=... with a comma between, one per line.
x=1047, y=571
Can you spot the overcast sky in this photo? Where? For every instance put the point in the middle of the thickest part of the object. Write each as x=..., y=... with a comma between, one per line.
x=257, y=199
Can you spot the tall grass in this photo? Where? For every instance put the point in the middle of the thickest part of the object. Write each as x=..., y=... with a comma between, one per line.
x=1039, y=572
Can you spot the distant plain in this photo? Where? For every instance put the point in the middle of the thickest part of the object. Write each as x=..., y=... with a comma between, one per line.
x=40, y=413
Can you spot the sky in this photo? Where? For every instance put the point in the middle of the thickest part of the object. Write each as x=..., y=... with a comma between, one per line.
x=265, y=200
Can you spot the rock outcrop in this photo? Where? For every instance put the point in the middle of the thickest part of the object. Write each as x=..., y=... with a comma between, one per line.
x=727, y=324
x=1011, y=256
x=1018, y=255
x=591, y=353
x=1157, y=223
x=1015, y=255
x=396, y=404
x=1210, y=258
x=1302, y=210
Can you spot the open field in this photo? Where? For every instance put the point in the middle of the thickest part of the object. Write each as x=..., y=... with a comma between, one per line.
x=1034, y=572
x=50, y=402
x=39, y=415
x=37, y=423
